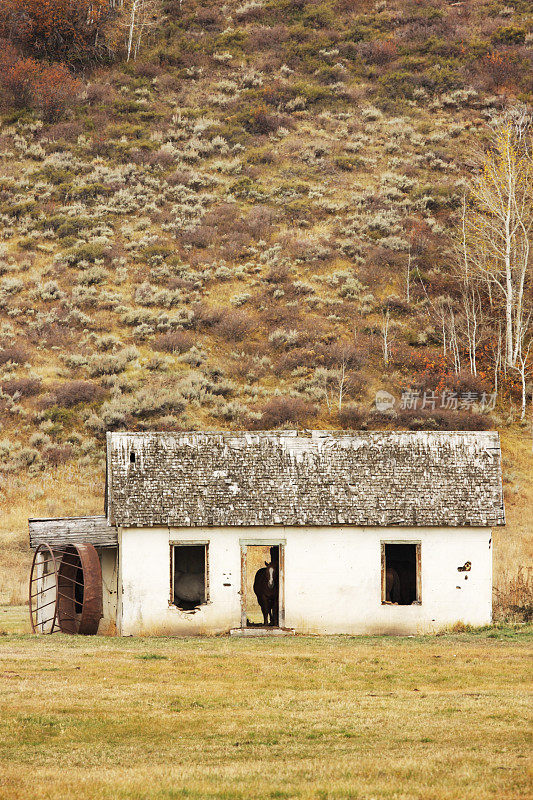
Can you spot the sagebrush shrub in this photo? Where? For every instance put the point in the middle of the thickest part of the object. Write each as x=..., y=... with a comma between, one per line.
x=71, y=393
x=16, y=354
x=175, y=342
x=49, y=291
x=281, y=338
x=25, y=387
x=235, y=325
x=108, y=364
x=282, y=410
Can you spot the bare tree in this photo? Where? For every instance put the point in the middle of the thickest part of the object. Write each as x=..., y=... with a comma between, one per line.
x=142, y=15
x=442, y=313
x=335, y=384
x=524, y=370
x=342, y=383
x=386, y=336
x=497, y=225
x=496, y=346
x=453, y=338
x=471, y=285
x=408, y=277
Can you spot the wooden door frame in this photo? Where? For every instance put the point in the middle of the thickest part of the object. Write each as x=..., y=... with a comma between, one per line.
x=273, y=542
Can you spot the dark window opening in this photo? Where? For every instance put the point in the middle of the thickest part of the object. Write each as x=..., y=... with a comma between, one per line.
x=132, y=458
x=401, y=574
x=189, y=575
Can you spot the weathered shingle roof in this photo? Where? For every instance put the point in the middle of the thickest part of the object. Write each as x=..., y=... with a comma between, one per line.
x=308, y=478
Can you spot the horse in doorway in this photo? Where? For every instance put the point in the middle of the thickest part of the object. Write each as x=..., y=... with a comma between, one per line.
x=266, y=588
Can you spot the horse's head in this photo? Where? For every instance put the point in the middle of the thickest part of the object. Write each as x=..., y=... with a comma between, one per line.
x=271, y=572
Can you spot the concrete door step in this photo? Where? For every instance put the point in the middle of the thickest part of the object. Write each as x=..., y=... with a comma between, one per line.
x=257, y=630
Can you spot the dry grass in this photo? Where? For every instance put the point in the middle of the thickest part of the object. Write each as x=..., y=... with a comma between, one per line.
x=515, y=597
x=331, y=718
x=69, y=490
x=513, y=544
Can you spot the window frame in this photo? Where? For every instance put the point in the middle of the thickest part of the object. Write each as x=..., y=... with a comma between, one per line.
x=418, y=566
x=189, y=543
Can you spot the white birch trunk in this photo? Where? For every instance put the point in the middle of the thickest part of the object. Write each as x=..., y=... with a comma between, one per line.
x=131, y=28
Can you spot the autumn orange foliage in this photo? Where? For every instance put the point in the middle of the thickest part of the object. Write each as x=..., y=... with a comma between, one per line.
x=24, y=82
x=503, y=69
x=17, y=76
x=58, y=29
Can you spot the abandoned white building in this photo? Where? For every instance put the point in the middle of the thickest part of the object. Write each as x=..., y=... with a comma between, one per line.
x=368, y=532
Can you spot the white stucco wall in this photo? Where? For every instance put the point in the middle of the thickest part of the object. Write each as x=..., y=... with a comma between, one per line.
x=332, y=579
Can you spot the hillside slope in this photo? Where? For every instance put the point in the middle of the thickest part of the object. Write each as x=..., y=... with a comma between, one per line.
x=219, y=235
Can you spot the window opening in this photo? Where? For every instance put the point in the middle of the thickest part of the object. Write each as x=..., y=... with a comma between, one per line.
x=400, y=582
x=132, y=458
x=262, y=585
x=189, y=575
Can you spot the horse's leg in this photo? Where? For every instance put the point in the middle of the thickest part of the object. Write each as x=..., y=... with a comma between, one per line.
x=388, y=583
x=273, y=613
x=264, y=609
x=396, y=592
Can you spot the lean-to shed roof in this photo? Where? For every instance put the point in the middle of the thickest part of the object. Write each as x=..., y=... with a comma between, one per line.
x=305, y=478
x=61, y=531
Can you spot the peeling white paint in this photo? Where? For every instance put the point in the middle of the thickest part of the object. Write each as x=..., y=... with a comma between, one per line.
x=332, y=579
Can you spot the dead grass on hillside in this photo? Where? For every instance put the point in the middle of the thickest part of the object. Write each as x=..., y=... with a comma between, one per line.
x=68, y=490
x=513, y=544
x=306, y=718
x=515, y=597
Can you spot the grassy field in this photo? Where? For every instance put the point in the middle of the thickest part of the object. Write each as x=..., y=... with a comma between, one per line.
x=327, y=717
